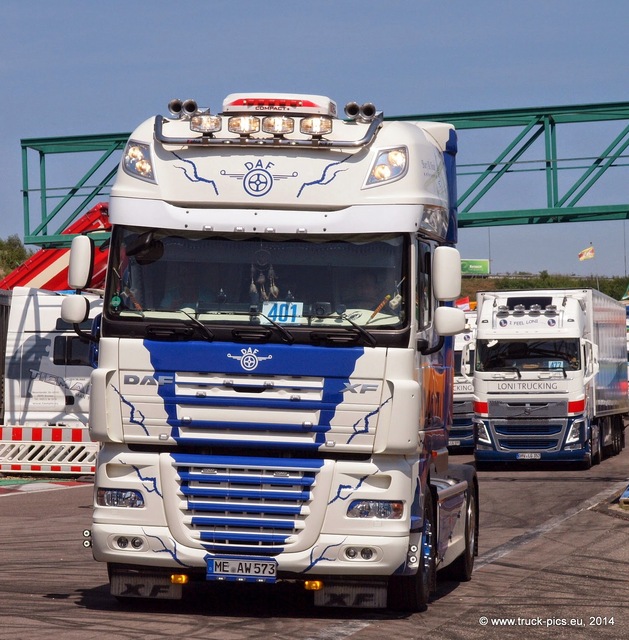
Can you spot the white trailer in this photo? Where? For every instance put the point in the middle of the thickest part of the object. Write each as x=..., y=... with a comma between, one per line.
x=44, y=397
x=550, y=376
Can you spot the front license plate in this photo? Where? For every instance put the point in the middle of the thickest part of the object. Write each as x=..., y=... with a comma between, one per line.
x=454, y=443
x=246, y=569
x=529, y=456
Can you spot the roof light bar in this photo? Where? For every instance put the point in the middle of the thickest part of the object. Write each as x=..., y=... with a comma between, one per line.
x=278, y=125
x=316, y=126
x=288, y=102
x=243, y=125
x=205, y=123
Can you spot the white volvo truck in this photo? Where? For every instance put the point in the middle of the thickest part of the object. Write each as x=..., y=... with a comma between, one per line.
x=550, y=376
x=274, y=388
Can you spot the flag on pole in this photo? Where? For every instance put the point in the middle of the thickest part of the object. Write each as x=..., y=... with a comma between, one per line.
x=626, y=297
x=587, y=254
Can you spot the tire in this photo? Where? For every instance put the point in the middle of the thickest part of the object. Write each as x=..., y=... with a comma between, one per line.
x=461, y=569
x=411, y=593
x=594, y=458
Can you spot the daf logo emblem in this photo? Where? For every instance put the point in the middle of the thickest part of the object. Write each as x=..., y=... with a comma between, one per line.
x=249, y=359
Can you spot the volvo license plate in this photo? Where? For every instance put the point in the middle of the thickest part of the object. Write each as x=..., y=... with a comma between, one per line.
x=242, y=568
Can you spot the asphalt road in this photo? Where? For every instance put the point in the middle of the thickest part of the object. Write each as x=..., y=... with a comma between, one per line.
x=553, y=563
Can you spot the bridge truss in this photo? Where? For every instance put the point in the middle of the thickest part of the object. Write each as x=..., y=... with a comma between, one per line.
x=515, y=166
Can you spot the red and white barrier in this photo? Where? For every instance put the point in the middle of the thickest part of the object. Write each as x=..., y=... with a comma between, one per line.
x=65, y=450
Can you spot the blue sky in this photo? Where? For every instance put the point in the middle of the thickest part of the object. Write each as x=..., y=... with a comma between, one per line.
x=70, y=67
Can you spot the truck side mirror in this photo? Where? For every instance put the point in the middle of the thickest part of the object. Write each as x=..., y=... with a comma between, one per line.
x=446, y=272
x=449, y=321
x=75, y=309
x=81, y=262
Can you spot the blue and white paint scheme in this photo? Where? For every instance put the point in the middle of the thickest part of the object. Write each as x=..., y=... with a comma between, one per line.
x=274, y=387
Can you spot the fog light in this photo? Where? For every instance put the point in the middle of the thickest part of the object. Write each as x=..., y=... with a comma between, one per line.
x=366, y=553
x=136, y=543
x=351, y=553
x=122, y=542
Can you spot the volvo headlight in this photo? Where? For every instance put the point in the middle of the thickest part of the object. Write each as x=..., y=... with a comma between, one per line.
x=574, y=435
x=482, y=434
x=137, y=161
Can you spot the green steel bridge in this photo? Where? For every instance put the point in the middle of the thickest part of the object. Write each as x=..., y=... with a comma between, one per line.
x=515, y=166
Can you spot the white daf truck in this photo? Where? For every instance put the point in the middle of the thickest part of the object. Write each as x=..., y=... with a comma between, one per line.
x=550, y=376
x=274, y=387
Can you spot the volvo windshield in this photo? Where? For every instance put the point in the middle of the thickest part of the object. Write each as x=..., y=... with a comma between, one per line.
x=528, y=355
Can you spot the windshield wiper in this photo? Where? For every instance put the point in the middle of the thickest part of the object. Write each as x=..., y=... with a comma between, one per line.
x=287, y=336
x=208, y=334
x=363, y=332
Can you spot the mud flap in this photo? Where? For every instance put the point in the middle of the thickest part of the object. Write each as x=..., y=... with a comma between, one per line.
x=362, y=595
x=144, y=585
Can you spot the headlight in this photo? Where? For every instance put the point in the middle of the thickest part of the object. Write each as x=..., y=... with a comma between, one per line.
x=574, y=435
x=129, y=498
x=137, y=161
x=481, y=432
x=382, y=509
x=389, y=165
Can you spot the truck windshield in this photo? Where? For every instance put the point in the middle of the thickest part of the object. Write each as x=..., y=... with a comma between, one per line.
x=528, y=355
x=283, y=280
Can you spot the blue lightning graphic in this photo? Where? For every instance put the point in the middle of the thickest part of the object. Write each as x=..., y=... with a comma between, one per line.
x=195, y=175
x=324, y=179
x=132, y=418
x=314, y=561
x=347, y=487
x=365, y=429
x=152, y=481
x=172, y=553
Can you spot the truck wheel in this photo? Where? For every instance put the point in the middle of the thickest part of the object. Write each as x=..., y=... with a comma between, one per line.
x=595, y=458
x=461, y=569
x=411, y=593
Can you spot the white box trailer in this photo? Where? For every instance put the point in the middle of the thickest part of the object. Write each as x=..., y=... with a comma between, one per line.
x=550, y=378
x=44, y=398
